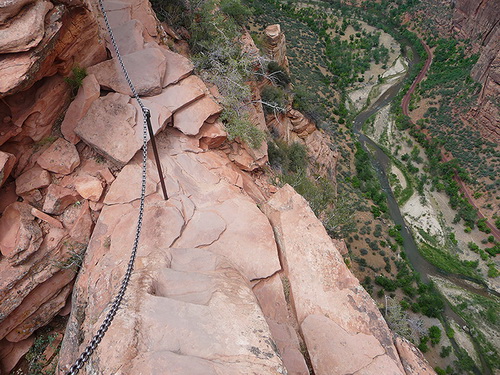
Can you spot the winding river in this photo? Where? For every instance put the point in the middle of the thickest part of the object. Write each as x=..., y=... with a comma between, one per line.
x=381, y=163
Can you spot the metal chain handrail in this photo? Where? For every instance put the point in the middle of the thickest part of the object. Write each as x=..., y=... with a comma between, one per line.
x=85, y=355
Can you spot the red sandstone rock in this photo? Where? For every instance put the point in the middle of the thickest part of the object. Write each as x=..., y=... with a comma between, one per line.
x=413, y=360
x=107, y=175
x=43, y=316
x=20, y=235
x=178, y=67
x=10, y=8
x=118, y=142
x=47, y=218
x=82, y=224
x=147, y=82
x=190, y=119
x=43, y=293
x=213, y=321
x=35, y=110
x=7, y=195
x=25, y=30
x=58, y=52
x=276, y=45
x=175, y=97
x=332, y=308
x=89, y=187
x=212, y=135
x=11, y=353
x=61, y=157
x=129, y=37
x=34, y=178
x=7, y=162
x=88, y=92
x=17, y=282
x=58, y=198
x=272, y=300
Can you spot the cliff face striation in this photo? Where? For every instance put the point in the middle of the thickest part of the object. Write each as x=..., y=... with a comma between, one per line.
x=233, y=275
x=479, y=21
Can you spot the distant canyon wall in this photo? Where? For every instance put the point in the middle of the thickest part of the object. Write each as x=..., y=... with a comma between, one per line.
x=479, y=21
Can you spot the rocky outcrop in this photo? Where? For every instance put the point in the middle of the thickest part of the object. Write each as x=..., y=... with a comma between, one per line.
x=37, y=39
x=294, y=127
x=479, y=22
x=275, y=43
x=341, y=325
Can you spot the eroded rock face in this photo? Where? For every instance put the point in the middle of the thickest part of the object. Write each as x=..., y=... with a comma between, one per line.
x=276, y=45
x=35, y=50
x=336, y=315
x=412, y=359
x=478, y=21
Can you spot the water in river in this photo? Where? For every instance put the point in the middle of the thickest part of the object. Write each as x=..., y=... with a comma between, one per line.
x=381, y=162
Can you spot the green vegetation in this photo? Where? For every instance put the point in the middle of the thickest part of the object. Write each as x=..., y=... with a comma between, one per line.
x=35, y=356
x=450, y=263
x=435, y=335
x=75, y=80
x=218, y=59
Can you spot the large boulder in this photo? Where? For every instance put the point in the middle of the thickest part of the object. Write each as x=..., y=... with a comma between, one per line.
x=87, y=94
x=61, y=157
x=20, y=235
x=146, y=69
x=118, y=142
x=26, y=30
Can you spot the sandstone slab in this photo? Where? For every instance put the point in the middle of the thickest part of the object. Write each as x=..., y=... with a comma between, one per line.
x=7, y=162
x=118, y=142
x=58, y=198
x=47, y=218
x=212, y=135
x=178, y=67
x=413, y=360
x=328, y=299
x=26, y=30
x=273, y=301
x=175, y=97
x=61, y=157
x=200, y=296
x=20, y=235
x=88, y=92
x=89, y=187
x=129, y=37
x=34, y=178
x=146, y=69
x=190, y=119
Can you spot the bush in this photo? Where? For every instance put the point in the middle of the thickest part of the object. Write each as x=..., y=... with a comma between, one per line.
x=435, y=335
x=275, y=97
x=278, y=74
x=236, y=10
x=239, y=126
x=445, y=351
x=76, y=78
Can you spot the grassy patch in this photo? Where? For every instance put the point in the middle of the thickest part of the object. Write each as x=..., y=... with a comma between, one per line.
x=449, y=263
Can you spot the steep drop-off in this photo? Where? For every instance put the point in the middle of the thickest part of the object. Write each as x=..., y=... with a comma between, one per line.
x=233, y=275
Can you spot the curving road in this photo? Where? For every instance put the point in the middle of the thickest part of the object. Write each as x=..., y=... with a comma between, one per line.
x=463, y=188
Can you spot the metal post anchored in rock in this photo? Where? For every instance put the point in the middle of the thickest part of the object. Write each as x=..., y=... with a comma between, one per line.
x=155, y=152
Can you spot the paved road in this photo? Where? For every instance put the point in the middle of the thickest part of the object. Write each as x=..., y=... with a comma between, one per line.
x=463, y=188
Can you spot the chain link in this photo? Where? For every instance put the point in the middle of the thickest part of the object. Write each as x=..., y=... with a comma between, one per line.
x=85, y=355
